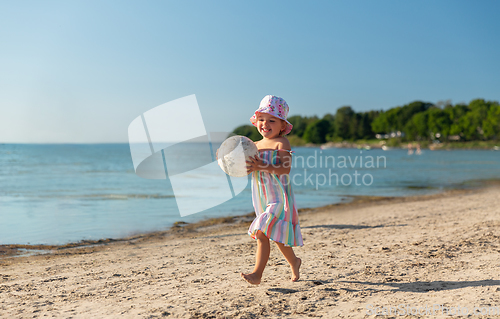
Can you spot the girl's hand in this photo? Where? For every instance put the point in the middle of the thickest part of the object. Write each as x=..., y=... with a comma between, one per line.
x=254, y=164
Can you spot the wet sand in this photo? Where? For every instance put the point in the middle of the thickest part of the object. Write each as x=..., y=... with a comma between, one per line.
x=415, y=253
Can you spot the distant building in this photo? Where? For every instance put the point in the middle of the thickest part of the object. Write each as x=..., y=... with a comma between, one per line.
x=390, y=135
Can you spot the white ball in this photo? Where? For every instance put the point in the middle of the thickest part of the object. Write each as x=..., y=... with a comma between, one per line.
x=233, y=154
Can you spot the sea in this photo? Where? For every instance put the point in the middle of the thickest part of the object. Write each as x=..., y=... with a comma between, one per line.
x=62, y=193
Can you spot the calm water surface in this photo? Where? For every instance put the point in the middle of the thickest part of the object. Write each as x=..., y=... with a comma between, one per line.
x=55, y=194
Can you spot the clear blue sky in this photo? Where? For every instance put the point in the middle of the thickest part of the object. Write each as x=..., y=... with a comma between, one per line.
x=81, y=71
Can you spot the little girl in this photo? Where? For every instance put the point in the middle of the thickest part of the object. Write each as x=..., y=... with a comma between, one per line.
x=277, y=218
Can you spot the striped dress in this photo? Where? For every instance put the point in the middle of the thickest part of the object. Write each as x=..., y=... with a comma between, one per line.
x=274, y=205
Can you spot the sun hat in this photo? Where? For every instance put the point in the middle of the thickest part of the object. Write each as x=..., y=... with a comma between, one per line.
x=275, y=106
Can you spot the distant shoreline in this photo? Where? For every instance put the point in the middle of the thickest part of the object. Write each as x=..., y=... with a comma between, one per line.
x=376, y=144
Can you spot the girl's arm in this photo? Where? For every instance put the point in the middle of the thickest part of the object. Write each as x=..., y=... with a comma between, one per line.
x=285, y=162
x=256, y=164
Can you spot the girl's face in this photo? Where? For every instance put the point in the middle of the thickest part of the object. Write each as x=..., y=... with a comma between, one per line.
x=269, y=126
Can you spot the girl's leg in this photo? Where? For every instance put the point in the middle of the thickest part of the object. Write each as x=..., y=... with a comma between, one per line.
x=293, y=260
x=263, y=249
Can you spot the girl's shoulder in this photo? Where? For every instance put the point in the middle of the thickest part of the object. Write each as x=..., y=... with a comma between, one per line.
x=282, y=144
x=277, y=144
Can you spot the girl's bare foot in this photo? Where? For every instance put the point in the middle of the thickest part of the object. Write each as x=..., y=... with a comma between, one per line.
x=295, y=270
x=252, y=278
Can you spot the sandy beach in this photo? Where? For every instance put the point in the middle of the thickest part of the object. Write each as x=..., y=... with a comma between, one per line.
x=417, y=256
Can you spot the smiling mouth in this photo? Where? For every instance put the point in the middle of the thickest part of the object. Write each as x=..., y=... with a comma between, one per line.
x=265, y=130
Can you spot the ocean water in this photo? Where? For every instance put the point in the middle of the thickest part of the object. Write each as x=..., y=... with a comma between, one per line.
x=55, y=194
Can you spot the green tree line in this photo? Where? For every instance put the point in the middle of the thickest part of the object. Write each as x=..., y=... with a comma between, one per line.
x=416, y=121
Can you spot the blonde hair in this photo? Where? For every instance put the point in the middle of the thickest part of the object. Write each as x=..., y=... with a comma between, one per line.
x=282, y=131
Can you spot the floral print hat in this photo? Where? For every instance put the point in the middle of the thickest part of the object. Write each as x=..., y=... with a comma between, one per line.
x=275, y=106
